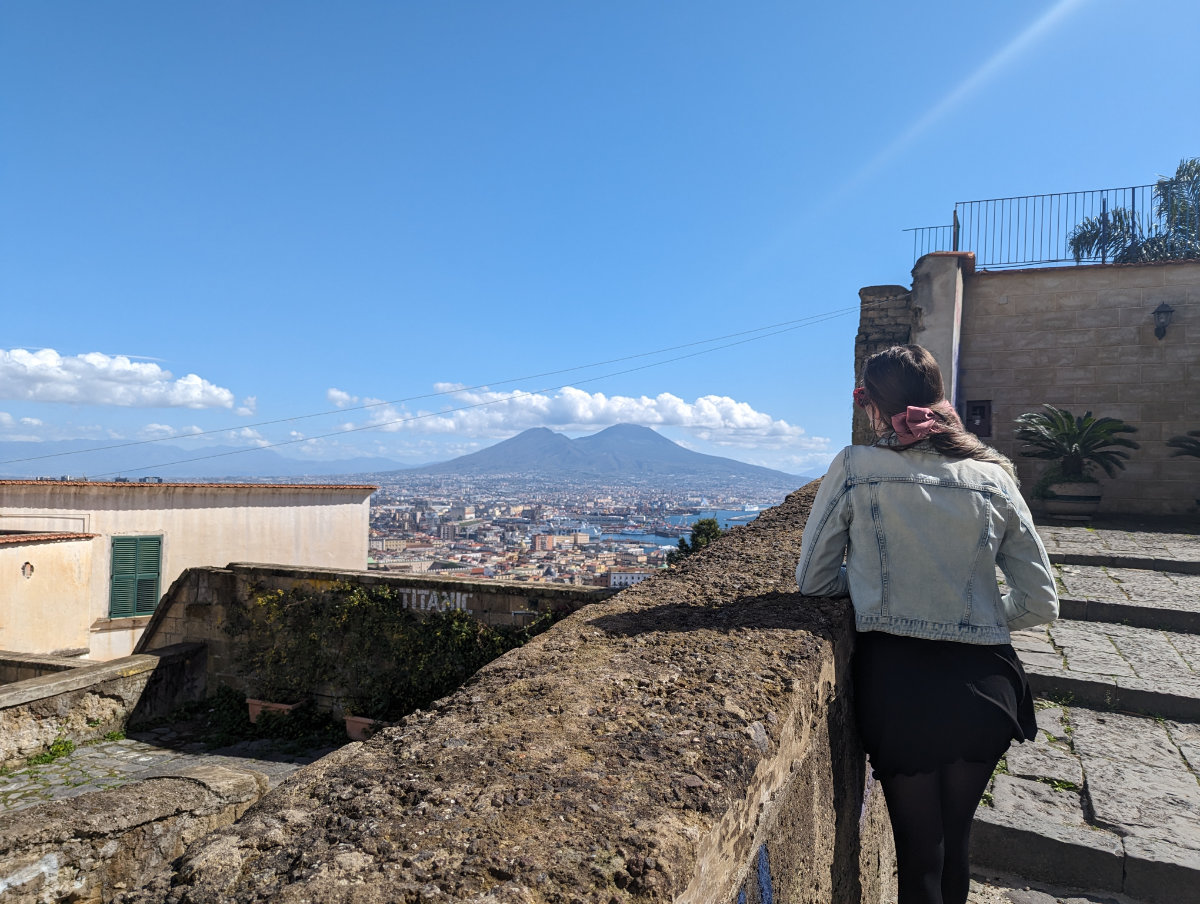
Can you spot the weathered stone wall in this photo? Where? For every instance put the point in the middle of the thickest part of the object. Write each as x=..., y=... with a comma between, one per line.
x=22, y=666
x=89, y=848
x=886, y=318
x=195, y=609
x=85, y=703
x=1082, y=338
x=688, y=740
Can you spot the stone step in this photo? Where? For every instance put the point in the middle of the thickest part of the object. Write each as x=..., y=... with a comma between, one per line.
x=1115, y=667
x=1131, y=596
x=1100, y=801
x=1127, y=546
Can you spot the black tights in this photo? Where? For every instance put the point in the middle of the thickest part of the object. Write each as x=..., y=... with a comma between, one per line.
x=931, y=815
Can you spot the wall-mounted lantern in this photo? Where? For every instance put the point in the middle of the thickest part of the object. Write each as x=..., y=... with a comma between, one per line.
x=1162, y=319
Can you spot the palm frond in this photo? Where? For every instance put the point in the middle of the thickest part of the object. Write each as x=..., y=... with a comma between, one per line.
x=1172, y=232
x=1076, y=443
x=1188, y=445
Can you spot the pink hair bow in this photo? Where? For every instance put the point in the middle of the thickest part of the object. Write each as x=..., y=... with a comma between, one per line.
x=914, y=424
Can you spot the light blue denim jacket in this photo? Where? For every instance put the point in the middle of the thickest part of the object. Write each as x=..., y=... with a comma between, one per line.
x=923, y=534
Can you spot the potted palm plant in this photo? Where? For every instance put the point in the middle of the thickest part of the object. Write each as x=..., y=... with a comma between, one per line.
x=1076, y=445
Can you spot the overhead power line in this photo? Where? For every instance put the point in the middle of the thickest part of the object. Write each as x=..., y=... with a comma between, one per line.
x=765, y=332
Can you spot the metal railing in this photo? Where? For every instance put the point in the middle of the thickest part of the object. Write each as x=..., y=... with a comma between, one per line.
x=1124, y=225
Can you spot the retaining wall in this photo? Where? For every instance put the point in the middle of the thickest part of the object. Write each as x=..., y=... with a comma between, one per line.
x=90, y=848
x=690, y=740
x=85, y=703
x=22, y=666
x=196, y=608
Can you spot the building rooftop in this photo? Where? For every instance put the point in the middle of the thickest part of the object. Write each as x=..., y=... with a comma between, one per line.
x=12, y=539
x=137, y=485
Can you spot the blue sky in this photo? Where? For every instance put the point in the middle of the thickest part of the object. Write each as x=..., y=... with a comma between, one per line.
x=221, y=214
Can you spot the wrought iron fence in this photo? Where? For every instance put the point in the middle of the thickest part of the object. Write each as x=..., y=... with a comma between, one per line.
x=1102, y=226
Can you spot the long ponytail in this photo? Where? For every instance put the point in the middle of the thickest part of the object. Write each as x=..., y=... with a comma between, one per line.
x=908, y=375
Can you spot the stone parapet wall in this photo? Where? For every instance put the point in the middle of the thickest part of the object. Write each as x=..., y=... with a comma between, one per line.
x=23, y=666
x=195, y=609
x=689, y=740
x=1082, y=338
x=85, y=703
x=90, y=848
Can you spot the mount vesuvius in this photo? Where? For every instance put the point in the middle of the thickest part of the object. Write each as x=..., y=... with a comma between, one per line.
x=623, y=452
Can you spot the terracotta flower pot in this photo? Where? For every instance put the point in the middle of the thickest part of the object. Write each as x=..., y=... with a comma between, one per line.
x=359, y=728
x=256, y=707
x=1072, y=501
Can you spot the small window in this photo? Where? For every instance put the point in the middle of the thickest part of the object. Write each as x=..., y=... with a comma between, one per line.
x=979, y=417
x=136, y=571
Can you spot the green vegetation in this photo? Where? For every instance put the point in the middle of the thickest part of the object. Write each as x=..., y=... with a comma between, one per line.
x=222, y=720
x=386, y=660
x=1120, y=237
x=1076, y=445
x=1187, y=445
x=60, y=748
x=704, y=532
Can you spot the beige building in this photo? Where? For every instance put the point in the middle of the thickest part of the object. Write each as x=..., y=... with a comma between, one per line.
x=627, y=577
x=83, y=564
x=1082, y=338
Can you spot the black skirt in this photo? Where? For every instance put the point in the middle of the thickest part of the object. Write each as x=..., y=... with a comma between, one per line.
x=921, y=704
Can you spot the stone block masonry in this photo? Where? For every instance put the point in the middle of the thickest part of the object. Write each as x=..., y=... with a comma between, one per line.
x=196, y=607
x=22, y=666
x=886, y=318
x=82, y=704
x=689, y=740
x=1082, y=338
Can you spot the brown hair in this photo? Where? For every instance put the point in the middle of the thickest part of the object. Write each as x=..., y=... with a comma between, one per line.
x=905, y=375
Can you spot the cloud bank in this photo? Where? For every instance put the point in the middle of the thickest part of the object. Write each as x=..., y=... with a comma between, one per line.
x=715, y=419
x=98, y=379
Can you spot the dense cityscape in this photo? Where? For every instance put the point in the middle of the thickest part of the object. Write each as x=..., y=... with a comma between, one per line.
x=514, y=529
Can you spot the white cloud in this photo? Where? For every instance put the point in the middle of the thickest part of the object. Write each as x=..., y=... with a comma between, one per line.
x=156, y=431
x=30, y=422
x=251, y=436
x=248, y=407
x=339, y=398
x=98, y=379
x=719, y=420
x=6, y=419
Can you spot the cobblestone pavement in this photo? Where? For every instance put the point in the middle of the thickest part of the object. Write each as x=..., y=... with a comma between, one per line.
x=1139, y=587
x=1122, y=788
x=1013, y=890
x=1139, y=660
x=108, y=764
x=1181, y=543
x=1108, y=795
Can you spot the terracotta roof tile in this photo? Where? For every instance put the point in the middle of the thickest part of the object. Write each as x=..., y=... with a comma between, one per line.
x=222, y=486
x=48, y=537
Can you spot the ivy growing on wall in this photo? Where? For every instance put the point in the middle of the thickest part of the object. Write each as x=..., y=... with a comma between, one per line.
x=384, y=661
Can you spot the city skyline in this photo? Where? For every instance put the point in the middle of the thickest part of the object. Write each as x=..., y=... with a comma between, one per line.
x=413, y=232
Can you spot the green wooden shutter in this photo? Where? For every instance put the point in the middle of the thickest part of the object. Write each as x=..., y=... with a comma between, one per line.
x=136, y=567
x=149, y=557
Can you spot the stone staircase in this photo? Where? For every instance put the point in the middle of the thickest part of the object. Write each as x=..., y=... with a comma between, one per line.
x=1107, y=798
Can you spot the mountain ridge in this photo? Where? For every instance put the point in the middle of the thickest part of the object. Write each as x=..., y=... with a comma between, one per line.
x=625, y=450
